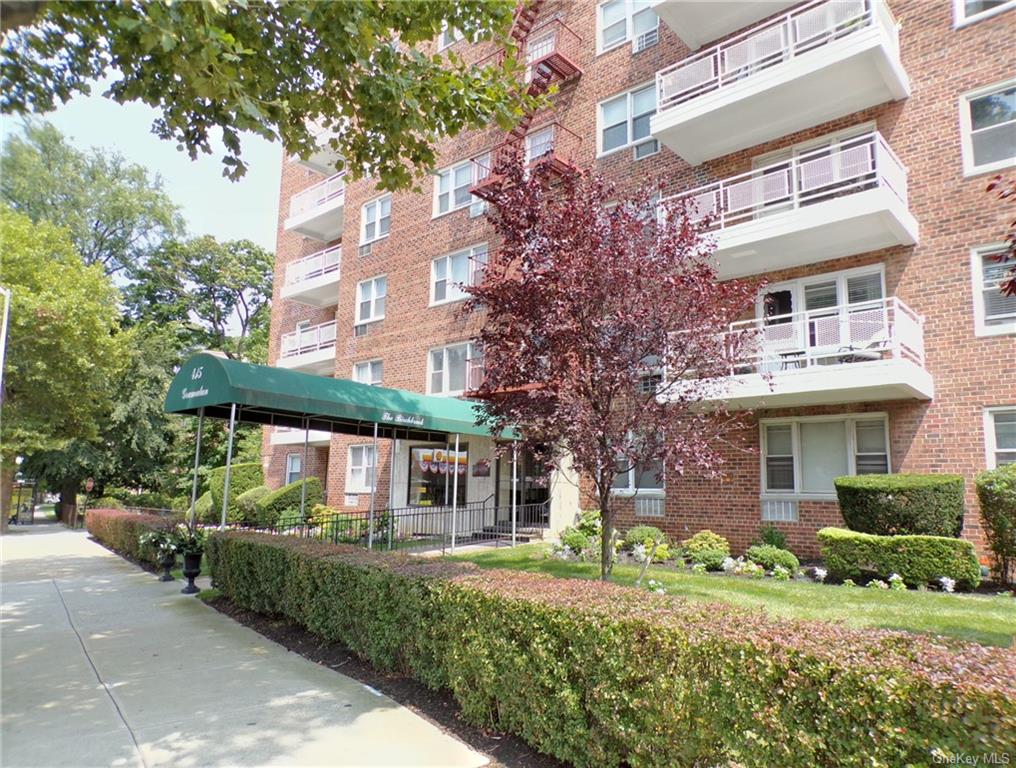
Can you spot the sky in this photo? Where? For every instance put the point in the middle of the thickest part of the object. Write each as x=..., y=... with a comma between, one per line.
x=210, y=203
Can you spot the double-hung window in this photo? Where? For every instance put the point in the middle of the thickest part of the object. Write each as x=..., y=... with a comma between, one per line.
x=448, y=274
x=644, y=477
x=369, y=372
x=988, y=128
x=619, y=21
x=1000, y=435
x=370, y=299
x=360, y=469
x=970, y=11
x=452, y=185
x=293, y=467
x=453, y=369
x=375, y=219
x=624, y=122
x=994, y=312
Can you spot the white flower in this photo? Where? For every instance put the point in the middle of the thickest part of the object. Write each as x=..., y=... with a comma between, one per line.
x=660, y=591
x=948, y=585
x=877, y=584
x=729, y=564
x=639, y=552
x=820, y=574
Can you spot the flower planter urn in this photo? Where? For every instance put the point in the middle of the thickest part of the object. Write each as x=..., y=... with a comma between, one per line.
x=166, y=562
x=191, y=570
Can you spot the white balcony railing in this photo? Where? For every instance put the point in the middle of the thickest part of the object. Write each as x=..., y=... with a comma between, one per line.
x=852, y=166
x=310, y=339
x=331, y=188
x=863, y=332
x=317, y=264
x=805, y=29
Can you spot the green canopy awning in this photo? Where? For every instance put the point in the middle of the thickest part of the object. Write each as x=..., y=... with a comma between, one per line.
x=281, y=397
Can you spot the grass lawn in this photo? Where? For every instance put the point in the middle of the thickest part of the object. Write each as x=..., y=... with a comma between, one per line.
x=989, y=620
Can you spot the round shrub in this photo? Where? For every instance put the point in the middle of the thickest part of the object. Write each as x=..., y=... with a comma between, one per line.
x=996, y=494
x=647, y=535
x=712, y=559
x=204, y=509
x=107, y=502
x=893, y=505
x=578, y=542
x=704, y=540
x=245, y=509
x=769, y=557
x=273, y=505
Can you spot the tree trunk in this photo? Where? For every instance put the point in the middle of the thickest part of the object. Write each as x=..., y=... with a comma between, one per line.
x=67, y=511
x=606, y=536
x=7, y=473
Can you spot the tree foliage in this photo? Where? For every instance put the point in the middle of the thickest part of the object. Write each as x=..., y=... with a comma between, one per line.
x=283, y=71
x=587, y=300
x=115, y=213
x=1005, y=190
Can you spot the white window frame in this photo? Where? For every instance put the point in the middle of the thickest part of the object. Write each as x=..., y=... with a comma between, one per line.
x=367, y=467
x=477, y=256
x=370, y=364
x=830, y=140
x=794, y=422
x=990, y=444
x=449, y=171
x=797, y=286
x=967, y=145
x=289, y=467
x=448, y=37
x=977, y=285
x=630, y=119
x=377, y=221
x=962, y=20
x=374, y=315
x=629, y=25
x=471, y=349
x=630, y=490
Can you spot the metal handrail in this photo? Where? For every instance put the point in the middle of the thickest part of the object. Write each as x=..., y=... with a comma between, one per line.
x=308, y=339
x=330, y=189
x=317, y=264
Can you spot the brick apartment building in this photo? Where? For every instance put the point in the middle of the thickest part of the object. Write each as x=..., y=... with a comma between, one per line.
x=844, y=146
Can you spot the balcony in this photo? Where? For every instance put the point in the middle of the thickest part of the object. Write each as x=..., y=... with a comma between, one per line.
x=827, y=203
x=824, y=60
x=316, y=438
x=317, y=212
x=310, y=349
x=551, y=150
x=314, y=279
x=697, y=22
x=852, y=353
x=323, y=159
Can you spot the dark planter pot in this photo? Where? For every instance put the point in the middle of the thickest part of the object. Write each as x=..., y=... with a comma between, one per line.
x=166, y=563
x=191, y=570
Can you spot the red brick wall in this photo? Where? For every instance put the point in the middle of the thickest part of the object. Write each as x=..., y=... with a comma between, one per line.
x=933, y=277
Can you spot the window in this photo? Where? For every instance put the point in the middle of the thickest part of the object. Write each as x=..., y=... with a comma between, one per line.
x=431, y=475
x=619, y=21
x=370, y=300
x=450, y=368
x=360, y=469
x=994, y=312
x=293, y=465
x=624, y=122
x=988, y=128
x=801, y=457
x=969, y=11
x=642, y=478
x=375, y=219
x=539, y=143
x=449, y=36
x=369, y=372
x=452, y=185
x=449, y=273
x=1000, y=435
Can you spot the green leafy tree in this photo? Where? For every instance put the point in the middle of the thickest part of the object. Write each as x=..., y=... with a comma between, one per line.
x=115, y=213
x=282, y=70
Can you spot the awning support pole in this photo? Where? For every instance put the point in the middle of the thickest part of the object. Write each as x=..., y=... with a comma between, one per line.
x=455, y=491
x=197, y=460
x=391, y=491
x=229, y=464
x=303, y=471
x=515, y=486
x=373, y=492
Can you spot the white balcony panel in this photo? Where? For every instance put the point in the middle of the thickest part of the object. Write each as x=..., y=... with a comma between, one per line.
x=698, y=22
x=821, y=205
x=780, y=79
x=288, y=436
x=314, y=279
x=317, y=212
x=311, y=349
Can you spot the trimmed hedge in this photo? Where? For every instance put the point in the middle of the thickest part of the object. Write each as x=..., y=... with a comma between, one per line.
x=920, y=560
x=242, y=478
x=119, y=530
x=246, y=503
x=996, y=495
x=894, y=505
x=769, y=557
x=205, y=510
x=272, y=506
x=602, y=675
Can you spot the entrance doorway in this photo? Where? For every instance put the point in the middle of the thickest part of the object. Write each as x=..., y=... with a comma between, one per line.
x=533, y=489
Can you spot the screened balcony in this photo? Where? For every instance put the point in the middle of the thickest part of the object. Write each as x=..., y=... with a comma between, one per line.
x=317, y=212
x=821, y=61
x=837, y=200
x=698, y=22
x=310, y=349
x=314, y=279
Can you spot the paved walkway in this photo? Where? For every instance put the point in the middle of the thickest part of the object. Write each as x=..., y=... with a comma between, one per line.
x=105, y=666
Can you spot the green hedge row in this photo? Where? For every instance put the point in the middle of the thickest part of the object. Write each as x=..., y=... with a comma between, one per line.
x=996, y=495
x=283, y=504
x=119, y=530
x=920, y=560
x=602, y=675
x=242, y=478
x=891, y=505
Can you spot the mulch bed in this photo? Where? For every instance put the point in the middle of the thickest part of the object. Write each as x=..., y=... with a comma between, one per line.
x=438, y=707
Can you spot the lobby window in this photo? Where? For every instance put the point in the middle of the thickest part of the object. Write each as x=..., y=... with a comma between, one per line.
x=431, y=475
x=1000, y=435
x=994, y=312
x=371, y=296
x=359, y=469
x=988, y=128
x=375, y=219
x=449, y=273
x=624, y=122
x=618, y=21
x=369, y=372
x=293, y=465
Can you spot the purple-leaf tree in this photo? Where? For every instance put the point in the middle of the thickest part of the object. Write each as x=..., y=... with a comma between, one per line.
x=605, y=328
x=1005, y=189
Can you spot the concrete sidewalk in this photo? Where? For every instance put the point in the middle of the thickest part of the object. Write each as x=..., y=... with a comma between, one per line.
x=102, y=665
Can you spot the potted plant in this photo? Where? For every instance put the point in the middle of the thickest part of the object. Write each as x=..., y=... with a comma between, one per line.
x=164, y=544
x=190, y=542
